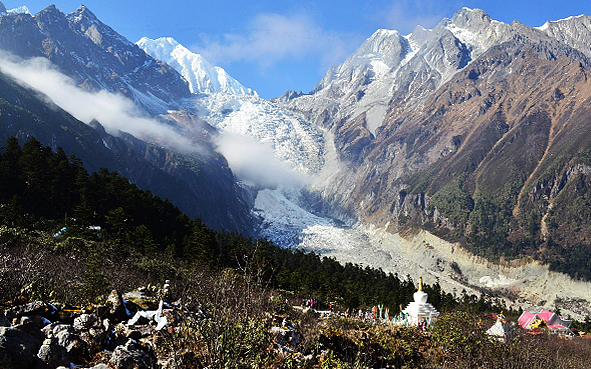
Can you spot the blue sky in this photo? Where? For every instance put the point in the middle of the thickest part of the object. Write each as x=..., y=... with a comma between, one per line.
x=278, y=45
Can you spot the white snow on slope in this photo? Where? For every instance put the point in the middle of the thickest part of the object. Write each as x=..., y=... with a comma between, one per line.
x=19, y=10
x=232, y=108
x=201, y=75
x=293, y=139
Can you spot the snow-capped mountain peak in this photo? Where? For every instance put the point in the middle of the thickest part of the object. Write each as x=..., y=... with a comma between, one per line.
x=573, y=31
x=202, y=76
x=19, y=10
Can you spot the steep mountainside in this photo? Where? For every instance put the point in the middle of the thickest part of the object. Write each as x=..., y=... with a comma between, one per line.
x=201, y=75
x=99, y=59
x=224, y=103
x=473, y=130
x=94, y=55
x=191, y=182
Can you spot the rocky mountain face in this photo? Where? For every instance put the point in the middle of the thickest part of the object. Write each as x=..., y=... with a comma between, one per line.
x=99, y=59
x=190, y=182
x=473, y=130
x=94, y=55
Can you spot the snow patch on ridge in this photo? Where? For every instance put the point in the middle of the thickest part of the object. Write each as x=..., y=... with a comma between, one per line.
x=201, y=75
x=19, y=10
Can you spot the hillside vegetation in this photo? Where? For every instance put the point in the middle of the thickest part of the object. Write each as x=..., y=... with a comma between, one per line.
x=70, y=237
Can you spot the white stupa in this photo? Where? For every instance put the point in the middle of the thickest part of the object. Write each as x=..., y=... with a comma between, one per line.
x=420, y=310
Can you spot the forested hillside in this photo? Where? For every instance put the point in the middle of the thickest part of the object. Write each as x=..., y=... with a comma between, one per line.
x=103, y=216
x=69, y=237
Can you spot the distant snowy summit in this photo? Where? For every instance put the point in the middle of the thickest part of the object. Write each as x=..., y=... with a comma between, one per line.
x=19, y=10
x=228, y=106
x=201, y=75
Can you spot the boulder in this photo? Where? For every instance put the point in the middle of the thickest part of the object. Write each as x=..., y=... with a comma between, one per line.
x=17, y=348
x=100, y=366
x=85, y=322
x=32, y=308
x=132, y=355
x=53, y=329
x=4, y=322
x=123, y=330
x=52, y=354
x=76, y=348
x=32, y=325
x=285, y=336
x=95, y=338
x=117, y=310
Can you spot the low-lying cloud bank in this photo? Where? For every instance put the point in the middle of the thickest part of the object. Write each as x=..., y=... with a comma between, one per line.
x=115, y=112
x=252, y=162
x=255, y=163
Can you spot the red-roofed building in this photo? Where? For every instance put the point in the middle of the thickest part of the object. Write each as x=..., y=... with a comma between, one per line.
x=551, y=320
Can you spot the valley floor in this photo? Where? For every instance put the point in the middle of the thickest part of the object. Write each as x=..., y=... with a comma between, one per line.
x=525, y=284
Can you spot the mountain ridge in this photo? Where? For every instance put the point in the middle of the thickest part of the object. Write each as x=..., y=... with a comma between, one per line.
x=471, y=131
x=473, y=116
x=120, y=67
x=99, y=59
x=201, y=75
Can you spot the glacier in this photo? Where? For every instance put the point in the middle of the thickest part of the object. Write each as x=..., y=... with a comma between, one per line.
x=231, y=108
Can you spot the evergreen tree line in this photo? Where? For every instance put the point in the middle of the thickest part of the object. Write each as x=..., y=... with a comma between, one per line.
x=43, y=190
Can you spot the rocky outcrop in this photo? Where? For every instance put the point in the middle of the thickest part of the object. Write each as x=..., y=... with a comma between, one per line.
x=94, y=55
x=17, y=348
x=451, y=129
x=132, y=354
x=43, y=335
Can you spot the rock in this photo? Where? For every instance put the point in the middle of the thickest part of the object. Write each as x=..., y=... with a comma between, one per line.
x=132, y=355
x=77, y=348
x=100, y=366
x=52, y=354
x=17, y=348
x=32, y=326
x=32, y=308
x=62, y=327
x=52, y=329
x=25, y=320
x=117, y=309
x=124, y=330
x=96, y=339
x=107, y=324
x=85, y=322
x=4, y=322
x=285, y=336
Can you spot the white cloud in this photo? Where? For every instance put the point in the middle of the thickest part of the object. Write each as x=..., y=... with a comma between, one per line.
x=115, y=112
x=255, y=163
x=273, y=37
